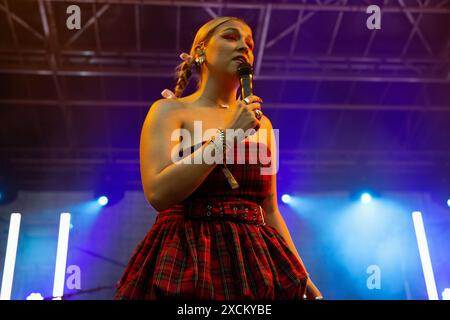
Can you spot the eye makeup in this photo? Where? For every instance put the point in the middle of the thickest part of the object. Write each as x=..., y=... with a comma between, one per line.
x=228, y=35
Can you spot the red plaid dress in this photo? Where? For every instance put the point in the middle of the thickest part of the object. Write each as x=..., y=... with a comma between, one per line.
x=215, y=244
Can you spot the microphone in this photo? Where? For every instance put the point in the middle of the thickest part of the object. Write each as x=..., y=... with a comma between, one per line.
x=245, y=73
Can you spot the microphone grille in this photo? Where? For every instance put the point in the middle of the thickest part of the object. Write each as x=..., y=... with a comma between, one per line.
x=244, y=68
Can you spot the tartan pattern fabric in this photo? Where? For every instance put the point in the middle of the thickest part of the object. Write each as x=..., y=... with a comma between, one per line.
x=215, y=245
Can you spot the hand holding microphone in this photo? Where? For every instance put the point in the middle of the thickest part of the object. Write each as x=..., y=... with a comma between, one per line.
x=248, y=113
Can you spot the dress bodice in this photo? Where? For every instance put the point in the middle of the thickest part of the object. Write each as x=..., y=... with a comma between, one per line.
x=249, y=163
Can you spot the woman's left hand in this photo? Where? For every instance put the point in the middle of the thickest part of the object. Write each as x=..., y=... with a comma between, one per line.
x=312, y=293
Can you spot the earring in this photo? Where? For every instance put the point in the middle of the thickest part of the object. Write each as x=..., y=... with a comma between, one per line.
x=201, y=55
x=200, y=60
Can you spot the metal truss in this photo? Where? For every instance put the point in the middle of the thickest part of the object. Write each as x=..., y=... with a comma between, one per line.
x=330, y=67
x=58, y=60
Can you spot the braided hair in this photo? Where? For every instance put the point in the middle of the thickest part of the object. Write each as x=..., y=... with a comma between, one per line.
x=184, y=72
x=185, y=69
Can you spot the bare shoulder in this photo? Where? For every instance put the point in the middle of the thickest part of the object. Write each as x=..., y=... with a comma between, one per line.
x=164, y=109
x=166, y=106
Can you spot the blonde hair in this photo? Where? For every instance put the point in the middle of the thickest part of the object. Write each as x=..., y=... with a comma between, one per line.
x=184, y=69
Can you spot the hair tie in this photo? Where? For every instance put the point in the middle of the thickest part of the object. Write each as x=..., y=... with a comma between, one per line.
x=168, y=94
x=186, y=57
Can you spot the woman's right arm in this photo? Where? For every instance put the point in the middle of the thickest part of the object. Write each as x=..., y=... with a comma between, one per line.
x=165, y=182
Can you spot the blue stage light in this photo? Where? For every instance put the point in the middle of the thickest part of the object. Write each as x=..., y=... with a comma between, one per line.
x=286, y=198
x=103, y=200
x=110, y=182
x=366, y=197
x=440, y=196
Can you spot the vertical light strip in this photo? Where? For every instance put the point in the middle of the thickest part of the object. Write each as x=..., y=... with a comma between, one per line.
x=425, y=256
x=10, y=259
x=61, y=256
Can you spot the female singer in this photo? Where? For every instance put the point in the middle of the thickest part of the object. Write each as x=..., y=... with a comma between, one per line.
x=218, y=233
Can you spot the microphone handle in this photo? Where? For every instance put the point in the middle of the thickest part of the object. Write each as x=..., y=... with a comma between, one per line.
x=247, y=89
x=246, y=85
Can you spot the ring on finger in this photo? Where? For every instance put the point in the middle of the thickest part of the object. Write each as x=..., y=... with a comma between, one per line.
x=258, y=114
x=246, y=100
